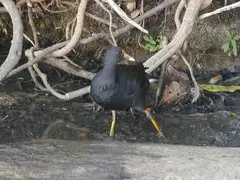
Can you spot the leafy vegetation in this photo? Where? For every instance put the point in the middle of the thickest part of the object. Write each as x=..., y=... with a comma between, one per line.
x=153, y=45
x=230, y=46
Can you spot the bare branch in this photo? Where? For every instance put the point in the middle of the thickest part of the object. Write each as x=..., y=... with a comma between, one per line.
x=3, y=10
x=220, y=10
x=56, y=12
x=15, y=51
x=128, y=27
x=178, y=40
x=110, y=20
x=100, y=19
x=20, y=2
x=196, y=90
x=69, y=68
x=39, y=57
x=123, y=15
x=179, y=9
x=162, y=75
x=27, y=38
x=67, y=96
x=32, y=73
x=77, y=33
x=33, y=27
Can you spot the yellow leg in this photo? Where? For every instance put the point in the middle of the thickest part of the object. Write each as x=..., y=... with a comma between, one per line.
x=113, y=123
x=155, y=124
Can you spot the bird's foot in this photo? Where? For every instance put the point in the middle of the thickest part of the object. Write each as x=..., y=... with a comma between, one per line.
x=161, y=136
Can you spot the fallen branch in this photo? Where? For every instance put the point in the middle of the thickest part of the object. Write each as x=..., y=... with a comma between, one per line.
x=178, y=40
x=220, y=10
x=15, y=51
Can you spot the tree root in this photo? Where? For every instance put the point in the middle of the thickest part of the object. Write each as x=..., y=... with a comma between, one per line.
x=15, y=51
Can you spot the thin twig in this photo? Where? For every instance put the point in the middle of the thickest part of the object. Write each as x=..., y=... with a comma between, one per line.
x=162, y=74
x=56, y=12
x=33, y=76
x=100, y=20
x=110, y=20
x=32, y=25
x=220, y=10
x=20, y=2
x=124, y=16
x=196, y=91
x=128, y=27
x=31, y=71
x=27, y=38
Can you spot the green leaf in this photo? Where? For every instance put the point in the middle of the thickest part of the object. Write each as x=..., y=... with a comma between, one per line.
x=159, y=40
x=232, y=114
x=236, y=38
x=234, y=46
x=152, y=48
x=146, y=38
x=225, y=47
x=227, y=32
x=153, y=42
x=159, y=47
x=147, y=47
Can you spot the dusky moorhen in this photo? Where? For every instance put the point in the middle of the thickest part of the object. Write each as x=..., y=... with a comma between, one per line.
x=117, y=86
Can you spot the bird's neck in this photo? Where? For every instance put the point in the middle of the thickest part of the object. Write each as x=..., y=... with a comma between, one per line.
x=110, y=70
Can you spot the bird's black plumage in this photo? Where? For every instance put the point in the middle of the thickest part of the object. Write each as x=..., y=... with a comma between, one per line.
x=118, y=87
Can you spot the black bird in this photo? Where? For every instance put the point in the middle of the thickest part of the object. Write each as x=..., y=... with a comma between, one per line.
x=118, y=87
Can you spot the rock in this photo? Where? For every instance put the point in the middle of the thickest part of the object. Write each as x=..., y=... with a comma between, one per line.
x=57, y=159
